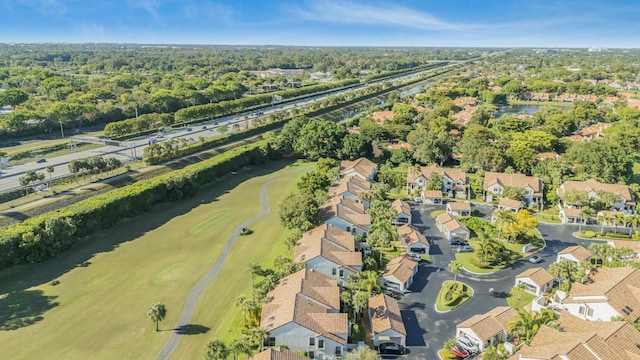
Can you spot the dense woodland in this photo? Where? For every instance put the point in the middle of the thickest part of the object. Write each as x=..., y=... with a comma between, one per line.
x=83, y=84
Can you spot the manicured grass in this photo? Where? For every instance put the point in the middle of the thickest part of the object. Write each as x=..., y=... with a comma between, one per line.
x=106, y=283
x=466, y=295
x=635, y=178
x=465, y=258
x=525, y=299
x=549, y=215
x=434, y=214
x=607, y=235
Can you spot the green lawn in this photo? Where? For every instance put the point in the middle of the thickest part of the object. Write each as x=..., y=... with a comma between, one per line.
x=514, y=254
x=466, y=295
x=525, y=299
x=98, y=309
x=434, y=214
x=635, y=178
x=549, y=215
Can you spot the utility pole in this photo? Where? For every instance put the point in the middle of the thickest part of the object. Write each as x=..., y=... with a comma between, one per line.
x=61, y=129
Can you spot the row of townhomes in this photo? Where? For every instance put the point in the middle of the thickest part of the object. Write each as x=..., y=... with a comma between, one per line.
x=587, y=314
x=572, y=195
x=303, y=312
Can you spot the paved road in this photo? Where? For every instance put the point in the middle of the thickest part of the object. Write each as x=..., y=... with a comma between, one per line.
x=183, y=322
x=427, y=330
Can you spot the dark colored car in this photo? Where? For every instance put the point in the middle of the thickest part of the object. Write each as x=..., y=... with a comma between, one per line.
x=41, y=161
x=457, y=242
x=391, y=348
x=535, y=259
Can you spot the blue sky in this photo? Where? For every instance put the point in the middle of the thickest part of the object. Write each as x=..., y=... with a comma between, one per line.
x=508, y=23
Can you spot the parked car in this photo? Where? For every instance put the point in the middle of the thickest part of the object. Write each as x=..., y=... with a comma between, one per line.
x=417, y=200
x=391, y=348
x=535, y=259
x=465, y=248
x=41, y=160
x=458, y=242
x=204, y=126
x=415, y=256
x=467, y=345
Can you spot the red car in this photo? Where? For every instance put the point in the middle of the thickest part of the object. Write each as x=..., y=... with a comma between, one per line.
x=459, y=351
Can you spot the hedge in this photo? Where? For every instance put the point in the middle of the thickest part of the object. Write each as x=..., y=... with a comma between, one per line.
x=40, y=151
x=146, y=122
x=48, y=235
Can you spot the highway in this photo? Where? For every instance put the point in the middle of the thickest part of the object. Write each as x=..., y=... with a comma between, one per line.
x=9, y=175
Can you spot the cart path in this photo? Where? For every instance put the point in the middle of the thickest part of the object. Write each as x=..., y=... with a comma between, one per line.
x=189, y=306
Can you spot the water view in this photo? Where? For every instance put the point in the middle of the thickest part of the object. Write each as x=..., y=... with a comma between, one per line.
x=519, y=109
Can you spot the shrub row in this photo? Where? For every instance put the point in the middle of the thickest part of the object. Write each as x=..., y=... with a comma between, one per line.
x=222, y=108
x=478, y=225
x=43, y=237
x=137, y=125
x=41, y=151
x=453, y=294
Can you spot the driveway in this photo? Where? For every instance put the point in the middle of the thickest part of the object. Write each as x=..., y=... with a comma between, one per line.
x=428, y=330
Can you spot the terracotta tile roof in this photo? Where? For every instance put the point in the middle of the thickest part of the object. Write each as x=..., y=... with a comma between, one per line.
x=433, y=194
x=411, y=235
x=595, y=186
x=444, y=218
x=510, y=203
x=278, y=353
x=401, y=267
x=572, y=212
x=363, y=166
x=579, y=339
x=385, y=314
x=578, y=252
x=352, y=184
x=633, y=245
x=539, y=276
x=331, y=243
x=512, y=180
x=309, y=299
x=459, y=206
x=464, y=100
x=426, y=171
x=487, y=325
x=347, y=209
x=379, y=117
x=398, y=146
x=450, y=223
x=401, y=207
x=547, y=155
x=619, y=287
x=611, y=100
x=462, y=118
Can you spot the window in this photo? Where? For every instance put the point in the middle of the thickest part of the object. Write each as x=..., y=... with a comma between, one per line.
x=333, y=271
x=338, y=351
x=590, y=312
x=341, y=273
x=312, y=341
x=581, y=310
x=353, y=231
x=312, y=355
x=348, y=228
x=270, y=342
x=320, y=344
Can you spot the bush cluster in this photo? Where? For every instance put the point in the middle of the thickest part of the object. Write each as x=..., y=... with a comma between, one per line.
x=143, y=123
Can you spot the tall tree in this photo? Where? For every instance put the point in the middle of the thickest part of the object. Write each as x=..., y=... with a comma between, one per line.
x=216, y=350
x=239, y=347
x=157, y=312
x=526, y=325
x=455, y=266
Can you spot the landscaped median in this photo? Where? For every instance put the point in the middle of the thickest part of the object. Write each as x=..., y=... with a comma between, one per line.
x=470, y=262
x=453, y=294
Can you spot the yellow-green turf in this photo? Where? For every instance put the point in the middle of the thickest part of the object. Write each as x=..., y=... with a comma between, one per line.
x=106, y=283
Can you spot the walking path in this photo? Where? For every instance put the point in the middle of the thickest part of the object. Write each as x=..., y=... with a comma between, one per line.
x=189, y=306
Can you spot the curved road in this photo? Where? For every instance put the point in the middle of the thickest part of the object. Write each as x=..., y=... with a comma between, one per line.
x=189, y=306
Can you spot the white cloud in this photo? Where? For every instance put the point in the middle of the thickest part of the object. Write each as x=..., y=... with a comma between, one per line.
x=349, y=12
x=150, y=6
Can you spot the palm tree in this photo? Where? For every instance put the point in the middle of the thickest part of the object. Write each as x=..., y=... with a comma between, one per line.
x=257, y=336
x=254, y=270
x=484, y=247
x=240, y=346
x=618, y=218
x=624, y=254
x=216, y=350
x=586, y=214
x=526, y=325
x=455, y=266
x=50, y=170
x=249, y=308
x=603, y=219
x=503, y=216
x=634, y=221
x=584, y=269
x=370, y=281
x=521, y=287
x=360, y=301
x=157, y=312
x=596, y=249
x=609, y=252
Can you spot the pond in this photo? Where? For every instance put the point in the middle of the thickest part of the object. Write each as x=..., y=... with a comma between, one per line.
x=529, y=109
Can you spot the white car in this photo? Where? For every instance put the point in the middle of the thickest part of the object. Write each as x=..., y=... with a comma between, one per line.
x=467, y=345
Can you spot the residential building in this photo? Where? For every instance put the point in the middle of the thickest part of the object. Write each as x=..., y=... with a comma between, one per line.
x=458, y=208
x=451, y=227
x=465, y=100
x=303, y=313
x=274, y=72
x=432, y=197
x=455, y=182
x=510, y=204
x=495, y=183
x=538, y=281
x=346, y=214
x=572, y=216
x=403, y=212
x=547, y=155
x=379, y=117
x=399, y=272
x=413, y=240
x=610, y=292
x=633, y=245
x=329, y=250
x=278, y=353
x=350, y=187
x=578, y=339
x=362, y=168
x=386, y=321
x=487, y=329
x=576, y=254
x=594, y=189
